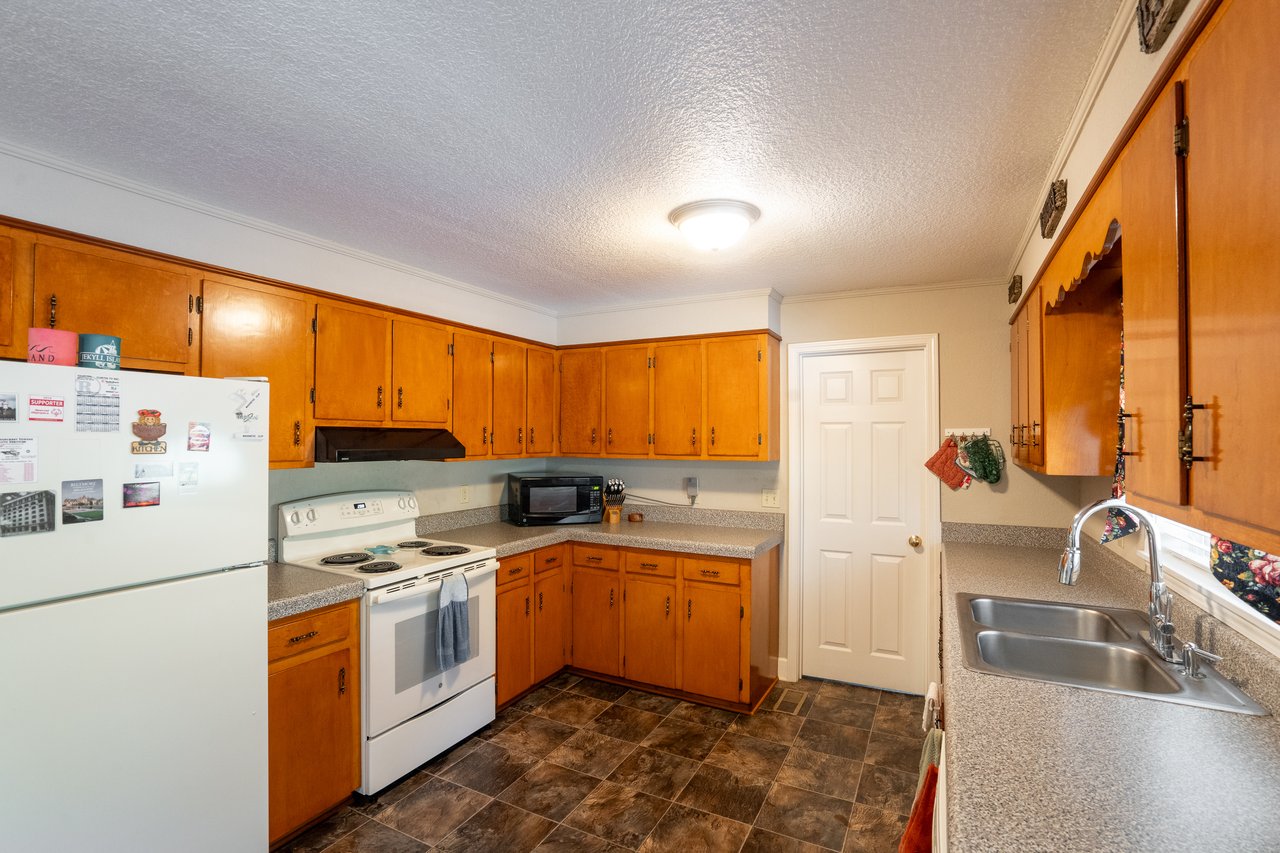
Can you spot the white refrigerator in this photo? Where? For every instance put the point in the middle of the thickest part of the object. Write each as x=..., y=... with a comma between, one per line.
x=133, y=681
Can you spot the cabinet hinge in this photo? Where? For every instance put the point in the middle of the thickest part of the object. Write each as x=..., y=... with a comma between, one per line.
x=739, y=685
x=188, y=336
x=314, y=325
x=759, y=355
x=199, y=304
x=742, y=613
x=491, y=356
x=1182, y=137
x=450, y=349
x=313, y=395
x=759, y=438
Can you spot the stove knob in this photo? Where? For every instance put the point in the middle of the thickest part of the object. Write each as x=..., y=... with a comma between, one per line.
x=413, y=504
x=294, y=518
x=400, y=502
x=311, y=515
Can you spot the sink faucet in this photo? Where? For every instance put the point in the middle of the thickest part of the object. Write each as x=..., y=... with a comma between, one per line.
x=1161, y=628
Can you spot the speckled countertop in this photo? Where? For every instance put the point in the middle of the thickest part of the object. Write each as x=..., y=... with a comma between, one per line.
x=742, y=542
x=1043, y=767
x=292, y=590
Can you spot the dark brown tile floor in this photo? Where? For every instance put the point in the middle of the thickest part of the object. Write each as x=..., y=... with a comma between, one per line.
x=579, y=765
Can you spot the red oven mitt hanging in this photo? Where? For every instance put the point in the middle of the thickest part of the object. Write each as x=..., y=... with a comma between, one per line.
x=943, y=464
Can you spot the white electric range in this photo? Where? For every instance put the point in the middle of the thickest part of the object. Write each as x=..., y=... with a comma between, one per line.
x=412, y=710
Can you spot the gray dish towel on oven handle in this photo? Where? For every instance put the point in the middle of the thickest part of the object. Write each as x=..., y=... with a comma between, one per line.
x=453, y=629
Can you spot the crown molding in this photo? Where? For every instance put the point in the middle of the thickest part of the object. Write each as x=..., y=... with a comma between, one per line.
x=40, y=158
x=769, y=293
x=890, y=291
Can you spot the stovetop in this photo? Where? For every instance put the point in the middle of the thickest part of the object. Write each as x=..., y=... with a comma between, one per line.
x=368, y=536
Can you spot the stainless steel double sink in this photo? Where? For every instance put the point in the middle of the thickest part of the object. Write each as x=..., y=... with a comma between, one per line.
x=1097, y=648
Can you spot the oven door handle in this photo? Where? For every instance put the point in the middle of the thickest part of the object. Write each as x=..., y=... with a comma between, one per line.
x=424, y=586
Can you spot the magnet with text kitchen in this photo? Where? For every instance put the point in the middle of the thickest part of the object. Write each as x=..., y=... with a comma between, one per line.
x=81, y=501
x=198, y=435
x=149, y=428
x=26, y=512
x=141, y=494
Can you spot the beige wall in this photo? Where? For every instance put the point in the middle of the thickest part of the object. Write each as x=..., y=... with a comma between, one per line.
x=973, y=352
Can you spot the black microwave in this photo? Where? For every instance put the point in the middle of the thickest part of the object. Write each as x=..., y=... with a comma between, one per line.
x=554, y=499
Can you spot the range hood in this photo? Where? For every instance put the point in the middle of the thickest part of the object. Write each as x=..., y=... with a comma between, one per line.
x=372, y=444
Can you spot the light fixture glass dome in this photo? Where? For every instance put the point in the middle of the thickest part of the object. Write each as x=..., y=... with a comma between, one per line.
x=714, y=224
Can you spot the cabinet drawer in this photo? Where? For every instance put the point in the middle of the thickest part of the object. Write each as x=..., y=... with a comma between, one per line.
x=545, y=559
x=659, y=565
x=514, y=568
x=714, y=571
x=595, y=556
x=310, y=631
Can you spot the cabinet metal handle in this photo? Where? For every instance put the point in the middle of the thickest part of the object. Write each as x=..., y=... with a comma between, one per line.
x=648, y=565
x=594, y=558
x=693, y=439
x=668, y=612
x=549, y=560
x=526, y=605
x=690, y=611
x=539, y=602
x=297, y=433
x=710, y=573
x=484, y=435
x=1186, y=447
x=400, y=397
x=379, y=396
x=513, y=572
x=303, y=637
x=1035, y=433
x=593, y=435
x=342, y=680
x=610, y=596
x=1013, y=429
x=53, y=310
x=520, y=435
x=610, y=439
x=1121, y=434
x=713, y=436
x=532, y=440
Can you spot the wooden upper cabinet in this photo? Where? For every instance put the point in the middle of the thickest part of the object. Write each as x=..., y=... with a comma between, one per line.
x=1233, y=269
x=581, y=399
x=742, y=397
x=250, y=329
x=473, y=391
x=421, y=372
x=148, y=304
x=1154, y=295
x=626, y=400
x=508, y=437
x=13, y=336
x=677, y=392
x=540, y=401
x=352, y=345
x=1026, y=433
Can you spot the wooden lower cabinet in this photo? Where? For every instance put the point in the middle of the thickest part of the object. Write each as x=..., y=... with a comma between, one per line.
x=651, y=612
x=515, y=640
x=550, y=623
x=710, y=641
x=533, y=612
x=313, y=712
x=597, y=620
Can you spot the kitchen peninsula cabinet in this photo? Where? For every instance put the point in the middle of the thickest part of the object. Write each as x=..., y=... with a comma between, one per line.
x=149, y=304
x=250, y=329
x=352, y=349
x=581, y=402
x=540, y=401
x=313, y=711
x=714, y=616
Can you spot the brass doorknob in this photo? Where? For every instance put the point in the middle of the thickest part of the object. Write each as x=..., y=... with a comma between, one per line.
x=914, y=541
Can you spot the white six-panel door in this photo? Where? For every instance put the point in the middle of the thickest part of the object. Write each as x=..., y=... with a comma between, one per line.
x=865, y=588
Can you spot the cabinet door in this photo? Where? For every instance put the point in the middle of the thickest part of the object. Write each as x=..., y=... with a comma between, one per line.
x=514, y=641
x=472, y=391
x=1016, y=387
x=251, y=329
x=1154, y=296
x=712, y=641
x=540, y=402
x=581, y=396
x=351, y=364
x=597, y=605
x=677, y=399
x=1233, y=259
x=649, y=643
x=550, y=620
x=626, y=400
x=147, y=304
x=508, y=397
x=313, y=738
x=421, y=373
x=1030, y=447
x=12, y=341
x=733, y=397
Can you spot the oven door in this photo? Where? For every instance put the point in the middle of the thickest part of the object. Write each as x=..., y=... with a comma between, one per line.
x=402, y=678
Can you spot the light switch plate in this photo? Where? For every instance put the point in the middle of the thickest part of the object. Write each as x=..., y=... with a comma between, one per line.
x=769, y=498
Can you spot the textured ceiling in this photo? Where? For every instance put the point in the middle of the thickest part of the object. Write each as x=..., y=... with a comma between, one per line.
x=535, y=148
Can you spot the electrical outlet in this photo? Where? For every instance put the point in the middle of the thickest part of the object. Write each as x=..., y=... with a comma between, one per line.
x=769, y=497
x=464, y=495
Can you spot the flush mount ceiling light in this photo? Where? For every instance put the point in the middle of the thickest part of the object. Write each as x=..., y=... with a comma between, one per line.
x=714, y=224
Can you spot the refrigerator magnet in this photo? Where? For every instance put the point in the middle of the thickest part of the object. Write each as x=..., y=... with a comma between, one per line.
x=188, y=477
x=46, y=409
x=17, y=459
x=8, y=407
x=26, y=512
x=149, y=428
x=97, y=403
x=152, y=470
x=141, y=494
x=198, y=434
x=81, y=501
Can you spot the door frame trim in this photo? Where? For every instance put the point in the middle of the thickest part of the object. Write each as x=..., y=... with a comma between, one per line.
x=790, y=667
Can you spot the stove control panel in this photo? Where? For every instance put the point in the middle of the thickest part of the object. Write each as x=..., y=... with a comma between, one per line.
x=336, y=513
x=361, y=509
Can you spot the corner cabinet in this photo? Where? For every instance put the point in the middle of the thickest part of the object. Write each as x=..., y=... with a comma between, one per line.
x=533, y=619
x=313, y=713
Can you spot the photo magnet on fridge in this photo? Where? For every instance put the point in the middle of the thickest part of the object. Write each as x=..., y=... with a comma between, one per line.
x=141, y=494
x=81, y=501
x=149, y=428
x=26, y=512
x=8, y=406
x=198, y=434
